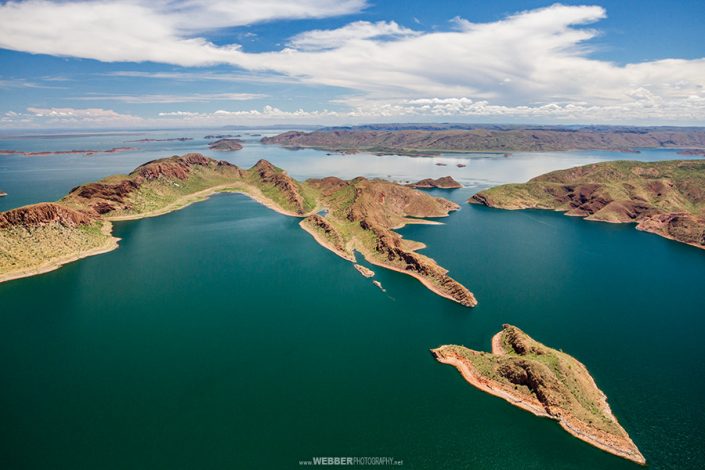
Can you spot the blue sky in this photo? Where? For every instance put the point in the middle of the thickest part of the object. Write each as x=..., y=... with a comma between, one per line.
x=138, y=63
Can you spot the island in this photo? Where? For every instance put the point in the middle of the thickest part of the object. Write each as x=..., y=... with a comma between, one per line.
x=444, y=182
x=226, y=145
x=221, y=136
x=87, y=153
x=434, y=139
x=546, y=382
x=171, y=139
x=366, y=272
x=360, y=216
x=666, y=198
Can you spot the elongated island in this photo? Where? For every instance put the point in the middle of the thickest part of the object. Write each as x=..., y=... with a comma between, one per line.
x=666, y=198
x=360, y=216
x=545, y=382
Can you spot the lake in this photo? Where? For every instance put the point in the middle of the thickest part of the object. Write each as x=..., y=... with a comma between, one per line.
x=223, y=336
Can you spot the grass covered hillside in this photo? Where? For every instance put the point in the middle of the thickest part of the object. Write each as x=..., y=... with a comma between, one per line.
x=546, y=382
x=666, y=198
x=360, y=215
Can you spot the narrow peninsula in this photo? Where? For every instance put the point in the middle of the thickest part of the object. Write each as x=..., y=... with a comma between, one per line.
x=545, y=382
x=666, y=198
x=360, y=216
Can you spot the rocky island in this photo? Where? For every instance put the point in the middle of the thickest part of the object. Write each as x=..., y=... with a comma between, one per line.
x=444, y=182
x=226, y=145
x=666, y=198
x=546, y=382
x=361, y=216
x=172, y=139
x=490, y=139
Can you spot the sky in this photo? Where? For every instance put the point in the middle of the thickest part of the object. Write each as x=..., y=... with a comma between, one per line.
x=200, y=63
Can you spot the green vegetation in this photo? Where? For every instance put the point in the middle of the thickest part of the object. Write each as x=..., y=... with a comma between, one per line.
x=361, y=214
x=545, y=381
x=666, y=198
x=28, y=248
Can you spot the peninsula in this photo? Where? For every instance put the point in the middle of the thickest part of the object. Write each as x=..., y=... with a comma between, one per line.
x=360, y=215
x=545, y=382
x=490, y=139
x=666, y=198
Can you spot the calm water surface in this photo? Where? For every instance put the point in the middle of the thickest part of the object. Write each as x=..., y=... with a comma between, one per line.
x=223, y=336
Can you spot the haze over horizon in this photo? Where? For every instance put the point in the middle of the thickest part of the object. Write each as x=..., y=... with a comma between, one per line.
x=196, y=63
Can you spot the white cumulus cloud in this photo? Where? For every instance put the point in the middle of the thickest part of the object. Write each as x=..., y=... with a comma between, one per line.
x=534, y=64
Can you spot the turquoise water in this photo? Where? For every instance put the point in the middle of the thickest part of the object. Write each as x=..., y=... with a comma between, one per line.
x=223, y=336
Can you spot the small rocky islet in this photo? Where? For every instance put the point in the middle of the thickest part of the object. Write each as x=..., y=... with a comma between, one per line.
x=226, y=145
x=444, y=182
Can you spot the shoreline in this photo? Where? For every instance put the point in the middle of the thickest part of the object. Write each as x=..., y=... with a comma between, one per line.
x=473, y=379
x=436, y=152
x=52, y=265
x=255, y=194
x=588, y=218
x=112, y=242
x=427, y=283
x=324, y=243
x=485, y=385
x=203, y=195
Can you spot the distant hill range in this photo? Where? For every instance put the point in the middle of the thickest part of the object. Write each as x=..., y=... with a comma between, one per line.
x=434, y=138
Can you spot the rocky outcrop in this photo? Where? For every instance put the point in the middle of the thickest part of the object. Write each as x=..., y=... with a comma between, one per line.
x=175, y=167
x=45, y=213
x=104, y=197
x=267, y=174
x=327, y=235
x=116, y=194
x=666, y=198
x=546, y=382
x=444, y=182
x=226, y=145
x=366, y=272
x=495, y=140
x=681, y=227
x=389, y=249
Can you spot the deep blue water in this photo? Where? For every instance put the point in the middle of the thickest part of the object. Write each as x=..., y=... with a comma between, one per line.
x=223, y=336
